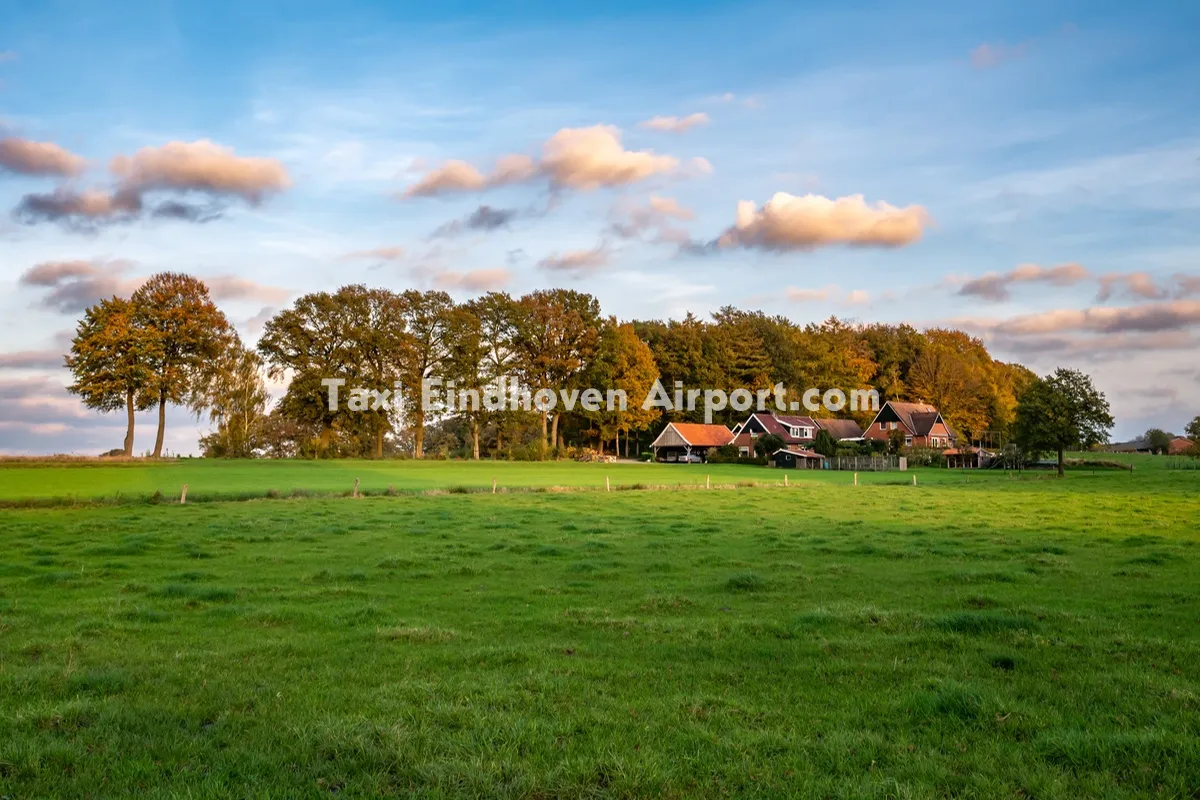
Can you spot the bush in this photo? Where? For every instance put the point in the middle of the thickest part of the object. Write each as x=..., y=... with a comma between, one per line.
x=924, y=457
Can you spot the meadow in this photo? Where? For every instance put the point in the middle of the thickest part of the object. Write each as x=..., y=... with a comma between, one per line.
x=971, y=636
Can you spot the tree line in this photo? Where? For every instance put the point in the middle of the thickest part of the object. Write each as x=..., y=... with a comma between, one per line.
x=169, y=344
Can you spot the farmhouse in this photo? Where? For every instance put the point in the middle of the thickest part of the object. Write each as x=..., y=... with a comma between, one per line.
x=797, y=432
x=1180, y=445
x=921, y=424
x=689, y=441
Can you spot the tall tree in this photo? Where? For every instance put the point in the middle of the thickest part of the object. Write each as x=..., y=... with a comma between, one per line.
x=623, y=362
x=428, y=321
x=1061, y=411
x=1193, y=432
x=1158, y=441
x=556, y=334
x=186, y=330
x=232, y=390
x=111, y=358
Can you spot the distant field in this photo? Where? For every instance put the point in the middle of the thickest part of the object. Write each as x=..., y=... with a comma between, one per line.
x=219, y=479
x=991, y=638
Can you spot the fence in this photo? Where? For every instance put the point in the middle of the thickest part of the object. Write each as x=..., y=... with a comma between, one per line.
x=867, y=463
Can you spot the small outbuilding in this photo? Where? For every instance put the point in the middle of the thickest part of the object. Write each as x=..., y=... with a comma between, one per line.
x=684, y=442
x=798, y=459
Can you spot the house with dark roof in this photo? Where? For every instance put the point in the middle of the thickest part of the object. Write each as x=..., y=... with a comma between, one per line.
x=687, y=441
x=921, y=424
x=797, y=432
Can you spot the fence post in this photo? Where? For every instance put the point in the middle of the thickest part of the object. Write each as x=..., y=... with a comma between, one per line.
x=607, y=488
x=493, y=485
x=183, y=495
x=914, y=480
x=355, y=488
x=707, y=482
x=856, y=479
x=785, y=483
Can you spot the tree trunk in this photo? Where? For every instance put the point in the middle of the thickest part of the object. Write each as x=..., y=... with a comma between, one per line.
x=129, y=424
x=162, y=425
x=554, y=431
x=545, y=431
x=475, y=439
x=379, y=443
x=1061, y=468
x=419, y=439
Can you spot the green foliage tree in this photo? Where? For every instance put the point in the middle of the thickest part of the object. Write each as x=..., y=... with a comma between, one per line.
x=110, y=359
x=1061, y=411
x=766, y=445
x=1193, y=430
x=824, y=444
x=184, y=331
x=1158, y=441
x=232, y=390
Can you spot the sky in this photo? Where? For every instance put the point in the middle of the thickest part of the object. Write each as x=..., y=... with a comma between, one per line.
x=1028, y=172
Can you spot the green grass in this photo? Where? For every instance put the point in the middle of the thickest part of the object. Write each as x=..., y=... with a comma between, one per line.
x=65, y=482
x=982, y=638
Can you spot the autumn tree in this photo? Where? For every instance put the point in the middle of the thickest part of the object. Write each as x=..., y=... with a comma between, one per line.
x=232, y=391
x=1061, y=411
x=623, y=363
x=110, y=359
x=322, y=336
x=468, y=369
x=556, y=334
x=428, y=323
x=184, y=330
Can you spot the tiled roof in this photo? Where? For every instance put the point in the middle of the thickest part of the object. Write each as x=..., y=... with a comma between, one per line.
x=841, y=428
x=699, y=435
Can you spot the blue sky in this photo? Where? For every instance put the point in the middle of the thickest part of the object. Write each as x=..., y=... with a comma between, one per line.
x=1035, y=134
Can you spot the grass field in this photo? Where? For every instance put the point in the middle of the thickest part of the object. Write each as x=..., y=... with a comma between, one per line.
x=61, y=482
x=990, y=638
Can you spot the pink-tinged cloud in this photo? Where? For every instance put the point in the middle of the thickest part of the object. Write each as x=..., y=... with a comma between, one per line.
x=986, y=56
x=200, y=166
x=675, y=124
x=589, y=158
x=27, y=157
x=575, y=158
x=377, y=254
x=75, y=285
x=231, y=287
x=1134, y=284
x=32, y=359
x=1151, y=317
x=798, y=295
x=787, y=222
x=858, y=297
x=996, y=286
x=631, y=220
x=577, y=261
x=453, y=176
x=476, y=280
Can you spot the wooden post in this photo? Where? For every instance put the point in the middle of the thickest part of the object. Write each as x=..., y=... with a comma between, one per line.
x=707, y=482
x=493, y=485
x=785, y=483
x=856, y=478
x=607, y=488
x=183, y=495
x=914, y=480
x=355, y=487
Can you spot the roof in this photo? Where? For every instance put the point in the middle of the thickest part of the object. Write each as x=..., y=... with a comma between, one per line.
x=699, y=435
x=841, y=428
x=798, y=453
x=919, y=418
x=780, y=424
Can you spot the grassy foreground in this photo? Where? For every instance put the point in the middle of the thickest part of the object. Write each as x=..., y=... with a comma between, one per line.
x=984, y=639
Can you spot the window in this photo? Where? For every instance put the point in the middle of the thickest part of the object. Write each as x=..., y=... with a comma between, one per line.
x=806, y=433
x=743, y=451
x=908, y=441
x=796, y=432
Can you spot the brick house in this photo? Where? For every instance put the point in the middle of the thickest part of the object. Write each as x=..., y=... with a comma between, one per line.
x=922, y=425
x=797, y=432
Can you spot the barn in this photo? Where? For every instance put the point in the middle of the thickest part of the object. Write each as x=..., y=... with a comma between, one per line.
x=798, y=459
x=689, y=441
